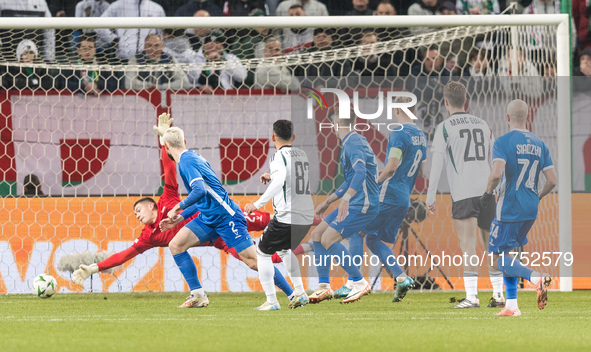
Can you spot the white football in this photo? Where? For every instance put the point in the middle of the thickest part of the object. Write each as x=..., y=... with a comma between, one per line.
x=44, y=286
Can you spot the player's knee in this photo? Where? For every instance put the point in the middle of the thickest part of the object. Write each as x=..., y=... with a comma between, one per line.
x=316, y=234
x=327, y=242
x=174, y=247
x=371, y=241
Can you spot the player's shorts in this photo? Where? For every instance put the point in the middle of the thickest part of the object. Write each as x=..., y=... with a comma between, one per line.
x=232, y=229
x=387, y=223
x=470, y=208
x=279, y=236
x=505, y=236
x=354, y=222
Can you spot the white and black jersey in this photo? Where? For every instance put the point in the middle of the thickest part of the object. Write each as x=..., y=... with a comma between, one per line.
x=289, y=187
x=465, y=142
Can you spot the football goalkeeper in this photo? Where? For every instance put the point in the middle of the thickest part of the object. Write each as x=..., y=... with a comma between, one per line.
x=150, y=213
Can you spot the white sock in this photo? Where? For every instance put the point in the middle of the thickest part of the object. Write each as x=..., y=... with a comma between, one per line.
x=535, y=278
x=293, y=270
x=511, y=304
x=496, y=279
x=349, y=284
x=401, y=277
x=266, y=273
x=471, y=285
x=198, y=292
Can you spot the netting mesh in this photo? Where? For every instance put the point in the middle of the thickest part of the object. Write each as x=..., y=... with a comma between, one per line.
x=78, y=130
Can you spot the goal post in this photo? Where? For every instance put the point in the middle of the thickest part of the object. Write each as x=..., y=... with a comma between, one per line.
x=235, y=152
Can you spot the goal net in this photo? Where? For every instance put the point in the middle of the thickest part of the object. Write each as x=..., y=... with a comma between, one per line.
x=78, y=149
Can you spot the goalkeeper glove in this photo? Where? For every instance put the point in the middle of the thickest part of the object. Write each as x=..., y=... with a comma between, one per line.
x=487, y=200
x=164, y=122
x=83, y=272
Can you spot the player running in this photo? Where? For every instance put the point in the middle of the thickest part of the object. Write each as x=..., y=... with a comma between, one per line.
x=294, y=213
x=464, y=141
x=358, y=208
x=150, y=213
x=518, y=158
x=406, y=153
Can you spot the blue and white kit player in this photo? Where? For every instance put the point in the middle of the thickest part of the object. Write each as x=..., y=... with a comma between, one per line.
x=219, y=216
x=406, y=156
x=518, y=158
x=358, y=208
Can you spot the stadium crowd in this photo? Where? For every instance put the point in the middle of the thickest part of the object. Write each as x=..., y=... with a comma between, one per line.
x=479, y=57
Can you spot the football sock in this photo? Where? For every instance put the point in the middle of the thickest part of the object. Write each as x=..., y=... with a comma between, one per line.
x=293, y=270
x=188, y=269
x=471, y=285
x=338, y=250
x=198, y=292
x=279, y=281
x=321, y=263
x=513, y=267
x=266, y=273
x=496, y=279
x=299, y=250
x=511, y=288
x=385, y=254
x=356, y=250
x=535, y=278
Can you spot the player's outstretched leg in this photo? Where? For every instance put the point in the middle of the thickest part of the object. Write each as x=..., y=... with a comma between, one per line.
x=386, y=255
x=266, y=272
x=183, y=240
x=511, y=267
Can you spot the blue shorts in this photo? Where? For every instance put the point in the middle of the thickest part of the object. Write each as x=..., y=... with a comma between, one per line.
x=232, y=229
x=354, y=222
x=505, y=236
x=387, y=223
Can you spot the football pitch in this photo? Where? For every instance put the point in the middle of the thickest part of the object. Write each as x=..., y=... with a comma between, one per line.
x=422, y=322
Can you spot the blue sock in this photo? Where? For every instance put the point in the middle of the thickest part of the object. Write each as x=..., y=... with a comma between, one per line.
x=188, y=269
x=513, y=267
x=282, y=283
x=320, y=261
x=338, y=250
x=356, y=246
x=510, y=286
x=385, y=254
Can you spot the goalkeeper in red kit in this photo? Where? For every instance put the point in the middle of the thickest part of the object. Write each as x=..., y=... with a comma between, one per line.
x=151, y=213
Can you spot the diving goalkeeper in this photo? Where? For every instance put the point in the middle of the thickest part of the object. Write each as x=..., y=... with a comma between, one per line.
x=150, y=213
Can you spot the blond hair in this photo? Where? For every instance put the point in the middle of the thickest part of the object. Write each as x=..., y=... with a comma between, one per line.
x=175, y=137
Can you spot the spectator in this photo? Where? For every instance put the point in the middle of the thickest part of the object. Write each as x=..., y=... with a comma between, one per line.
x=129, y=41
x=243, y=7
x=191, y=7
x=581, y=14
x=170, y=6
x=478, y=7
x=584, y=70
x=32, y=186
x=199, y=35
x=296, y=40
x=539, y=38
x=23, y=76
x=90, y=81
x=270, y=76
x=311, y=8
x=523, y=81
x=360, y=8
x=91, y=8
x=423, y=8
x=325, y=74
x=178, y=45
x=451, y=65
x=9, y=38
x=231, y=76
x=478, y=64
x=431, y=65
x=374, y=65
x=385, y=8
x=154, y=77
x=448, y=8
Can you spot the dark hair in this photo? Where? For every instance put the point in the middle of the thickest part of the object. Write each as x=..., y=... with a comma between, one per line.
x=88, y=37
x=283, y=129
x=455, y=93
x=32, y=186
x=327, y=31
x=146, y=199
x=174, y=32
x=295, y=6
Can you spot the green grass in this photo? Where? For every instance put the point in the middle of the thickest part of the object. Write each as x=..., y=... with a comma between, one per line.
x=150, y=322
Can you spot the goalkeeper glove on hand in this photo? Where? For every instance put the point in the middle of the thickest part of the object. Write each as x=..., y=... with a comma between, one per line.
x=83, y=272
x=487, y=200
x=164, y=122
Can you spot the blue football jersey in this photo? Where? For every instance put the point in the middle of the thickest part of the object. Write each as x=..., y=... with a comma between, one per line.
x=355, y=150
x=412, y=141
x=216, y=204
x=525, y=156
